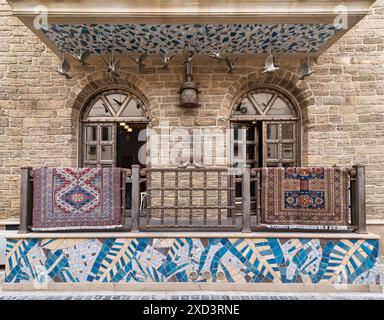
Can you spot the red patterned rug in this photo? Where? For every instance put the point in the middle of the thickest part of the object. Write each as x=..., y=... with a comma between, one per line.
x=299, y=197
x=77, y=198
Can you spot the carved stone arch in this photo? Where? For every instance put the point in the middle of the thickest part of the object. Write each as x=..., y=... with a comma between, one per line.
x=286, y=82
x=80, y=95
x=93, y=84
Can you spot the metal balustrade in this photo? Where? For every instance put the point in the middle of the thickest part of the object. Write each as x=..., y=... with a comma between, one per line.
x=175, y=202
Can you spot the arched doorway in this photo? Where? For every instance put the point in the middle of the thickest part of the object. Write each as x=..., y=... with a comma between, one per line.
x=271, y=124
x=266, y=125
x=112, y=132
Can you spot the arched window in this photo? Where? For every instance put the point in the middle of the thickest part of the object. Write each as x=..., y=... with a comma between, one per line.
x=114, y=105
x=110, y=125
x=271, y=123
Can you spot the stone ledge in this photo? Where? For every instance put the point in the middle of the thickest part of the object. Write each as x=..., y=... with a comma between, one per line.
x=9, y=222
x=87, y=235
x=375, y=222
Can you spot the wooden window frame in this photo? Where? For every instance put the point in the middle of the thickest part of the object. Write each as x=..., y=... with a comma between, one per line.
x=265, y=118
x=100, y=122
x=280, y=142
x=99, y=143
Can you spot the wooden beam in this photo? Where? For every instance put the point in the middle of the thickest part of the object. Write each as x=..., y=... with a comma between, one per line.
x=359, y=199
x=25, y=199
x=135, y=201
x=246, y=188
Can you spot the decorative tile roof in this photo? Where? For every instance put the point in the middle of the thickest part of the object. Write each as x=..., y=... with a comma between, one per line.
x=240, y=38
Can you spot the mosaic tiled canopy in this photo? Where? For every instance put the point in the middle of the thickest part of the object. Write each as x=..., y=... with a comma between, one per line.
x=241, y=38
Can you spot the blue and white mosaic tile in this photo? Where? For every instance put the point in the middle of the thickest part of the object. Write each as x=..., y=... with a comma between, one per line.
x=240, y=38
x=269, y=260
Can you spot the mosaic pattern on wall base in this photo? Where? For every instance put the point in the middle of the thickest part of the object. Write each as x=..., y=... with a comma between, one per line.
x=222, y=260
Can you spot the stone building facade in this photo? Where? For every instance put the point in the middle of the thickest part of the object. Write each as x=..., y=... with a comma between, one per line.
x=342, y=103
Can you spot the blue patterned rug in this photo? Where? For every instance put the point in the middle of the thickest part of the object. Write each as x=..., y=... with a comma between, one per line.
x=314, y=198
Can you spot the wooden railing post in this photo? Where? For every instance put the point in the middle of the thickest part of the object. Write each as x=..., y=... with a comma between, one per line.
x=25, y=199
x=359, y=199
x=123, y=194
x=246, y=188
x=135, y=201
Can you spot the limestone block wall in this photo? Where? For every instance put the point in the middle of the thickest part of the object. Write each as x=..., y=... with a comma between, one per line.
x=342, y=103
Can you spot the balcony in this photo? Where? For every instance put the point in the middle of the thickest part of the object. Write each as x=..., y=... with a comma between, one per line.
x=210, y=199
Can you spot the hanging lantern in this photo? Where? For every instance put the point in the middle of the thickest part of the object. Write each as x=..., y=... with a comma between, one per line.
x=189, y=95
x=189, y=90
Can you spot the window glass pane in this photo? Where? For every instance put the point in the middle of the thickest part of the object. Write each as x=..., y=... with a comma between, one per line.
x=132, y=110
x=106, y=133
x=90, y=153
x=236, y=150
x=287, y=151
x=90, y=133
x=245, y=108
x=280, y=107
x=235, y=133
x=251, y=134
x=116, y=100
x=251, y=152
x=272, y=151
x=272, y=131
x=106, y=152
x=238, y=189
x=253, y=189
x=287, y=129
x=99, y=109
x=262, y=99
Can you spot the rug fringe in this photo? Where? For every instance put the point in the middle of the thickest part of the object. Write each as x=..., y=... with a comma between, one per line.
x=77, y=228
x=306, y=227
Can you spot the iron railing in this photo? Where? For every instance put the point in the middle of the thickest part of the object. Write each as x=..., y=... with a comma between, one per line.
x=175, y=202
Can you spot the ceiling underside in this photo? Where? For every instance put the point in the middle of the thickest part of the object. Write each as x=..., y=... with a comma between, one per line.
x=203, y=38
